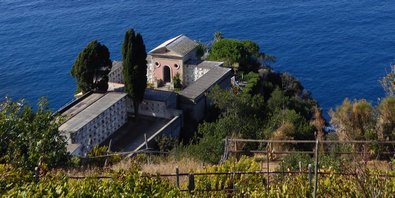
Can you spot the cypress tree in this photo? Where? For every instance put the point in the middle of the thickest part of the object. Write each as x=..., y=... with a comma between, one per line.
x=91, y=68
x=134, y=67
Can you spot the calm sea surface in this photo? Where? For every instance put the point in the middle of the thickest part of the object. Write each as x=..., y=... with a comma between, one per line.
x=337, y=48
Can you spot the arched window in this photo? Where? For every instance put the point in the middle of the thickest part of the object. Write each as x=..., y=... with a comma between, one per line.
x=166, y=74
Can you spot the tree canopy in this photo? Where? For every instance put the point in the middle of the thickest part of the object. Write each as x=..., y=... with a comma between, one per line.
x=27, y=135
x=134, y=66
x=91, y=68
x=244, y=55
x=360, y=120
x=271, y=105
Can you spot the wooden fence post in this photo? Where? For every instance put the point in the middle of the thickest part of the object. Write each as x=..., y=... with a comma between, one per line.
x=316, y=169
x=300, y=167
x=37, y=174
x=178, y=177
x=37, y=170
x=145, y=140
x=309, y=169
x=267, y=169
x=191, y=183
x=108, y=151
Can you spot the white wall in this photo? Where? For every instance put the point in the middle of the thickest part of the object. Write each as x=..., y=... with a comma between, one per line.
x=116, y=75
x=97, y=130
x=193, y=73
x=154, y=108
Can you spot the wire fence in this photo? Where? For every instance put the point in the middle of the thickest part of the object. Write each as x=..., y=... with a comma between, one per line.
x=268, y=149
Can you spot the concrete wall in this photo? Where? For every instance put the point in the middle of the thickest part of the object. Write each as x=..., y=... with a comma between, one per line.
x=200, y=108
x=150, y=73
x=154, y=108
x=190, y=56
x=196, y=109
x=172, y=128
x=97, y=130
x=75, y=149
x=192, y=73
x=116, y=75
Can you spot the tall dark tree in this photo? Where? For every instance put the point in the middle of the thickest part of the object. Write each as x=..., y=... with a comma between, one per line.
x=91, y=68
x=134, y=67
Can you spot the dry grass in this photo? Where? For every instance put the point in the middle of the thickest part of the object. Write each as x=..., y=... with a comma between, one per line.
x=123, y=165
x=79, y=172
x=167, y=166
x=379, y=165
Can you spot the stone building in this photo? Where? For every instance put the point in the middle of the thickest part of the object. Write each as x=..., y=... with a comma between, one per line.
x=177, y=56
x=91, y=119
x=169, y=59
x=193, y=99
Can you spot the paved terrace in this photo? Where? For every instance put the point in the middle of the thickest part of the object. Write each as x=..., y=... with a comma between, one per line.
x=131, y=135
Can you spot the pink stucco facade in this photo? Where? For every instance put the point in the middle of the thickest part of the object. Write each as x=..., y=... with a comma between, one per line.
x=175, y=66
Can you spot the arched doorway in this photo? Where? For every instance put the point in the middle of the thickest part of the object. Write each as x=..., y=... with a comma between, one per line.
x=166, y=74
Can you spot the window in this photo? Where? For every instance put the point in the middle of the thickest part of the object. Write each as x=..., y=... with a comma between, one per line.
x=157, y=64
x=176, y=66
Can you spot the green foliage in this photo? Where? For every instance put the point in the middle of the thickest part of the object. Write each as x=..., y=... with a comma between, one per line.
x=254, y=83
x=11, y=177
x=388, y=82
x=240, y=105
x=234, y=54
x=284, y=185
x=166, y=143
x=266, y=104
x=286, y=113
x=243, y=55
x=386, y=118
x=95, y=157
x=359, y=120
x=134, y=66
x=131, y=183
x=201, y=50
x=28, y=135
x=177, y=81
x=288, y=124
x=291, y=162
x=231, y=51
x=354, y=120
x=219, y=182
x=91, y=68
x=330, y=162
x=124, y=183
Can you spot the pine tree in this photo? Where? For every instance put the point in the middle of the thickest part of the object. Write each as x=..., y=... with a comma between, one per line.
x=91, y=68
x=134, y=67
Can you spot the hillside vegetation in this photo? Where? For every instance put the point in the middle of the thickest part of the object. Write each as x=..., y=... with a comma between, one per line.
x=132, y=183
x=262, y=104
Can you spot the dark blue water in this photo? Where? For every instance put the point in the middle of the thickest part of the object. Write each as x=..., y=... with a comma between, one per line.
x=337, y=48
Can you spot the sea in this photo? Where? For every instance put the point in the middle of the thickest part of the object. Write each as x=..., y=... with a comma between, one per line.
x=338, y=49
